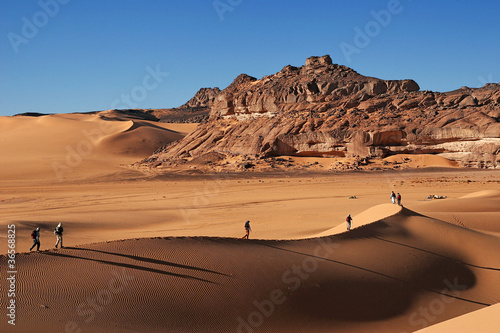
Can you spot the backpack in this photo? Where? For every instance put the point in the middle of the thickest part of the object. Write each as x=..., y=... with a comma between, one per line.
x=33, y=234
x=247, y=225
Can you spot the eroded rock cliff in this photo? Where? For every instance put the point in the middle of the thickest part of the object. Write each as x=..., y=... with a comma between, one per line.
x=325, y=109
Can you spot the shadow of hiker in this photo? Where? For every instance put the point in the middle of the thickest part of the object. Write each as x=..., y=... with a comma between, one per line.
x=150, y=260
x=136, y=267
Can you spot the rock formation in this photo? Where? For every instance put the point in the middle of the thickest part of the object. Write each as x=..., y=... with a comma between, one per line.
x=325, y=109
x=202, y=99
x=195, y=110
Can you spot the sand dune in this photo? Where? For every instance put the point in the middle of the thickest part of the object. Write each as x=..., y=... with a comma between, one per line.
x=422, y=160
x=138, y=139
x=371, y=215
x=479, y=321
x=402, y=273
x=483, y=194
x=479, y=211
x=76, y=146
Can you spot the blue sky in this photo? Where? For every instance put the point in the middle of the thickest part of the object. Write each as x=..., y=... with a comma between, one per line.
x=61, y=56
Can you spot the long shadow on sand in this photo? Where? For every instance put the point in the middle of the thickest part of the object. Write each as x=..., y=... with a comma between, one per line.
x=436, y=254
x=408, y=212
x=434, y=286
x=141, y=268
x=151, y=260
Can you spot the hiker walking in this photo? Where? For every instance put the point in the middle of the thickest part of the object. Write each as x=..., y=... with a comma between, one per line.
x=348, y=220
x=393, y=197
x=399, y=199
x=247, y=229
x=36, y=239
x=58, y=231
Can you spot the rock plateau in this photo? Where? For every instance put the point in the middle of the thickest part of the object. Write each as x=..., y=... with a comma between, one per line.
x=325, y=109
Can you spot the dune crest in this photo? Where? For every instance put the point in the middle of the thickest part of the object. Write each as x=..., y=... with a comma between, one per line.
x=370, y=215
x=482, y=194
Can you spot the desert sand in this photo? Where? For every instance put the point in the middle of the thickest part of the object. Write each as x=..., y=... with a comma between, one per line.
x=151, y=252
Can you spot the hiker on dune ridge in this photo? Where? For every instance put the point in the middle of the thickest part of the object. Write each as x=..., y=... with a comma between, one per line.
x=36, y=239
x=247, y=230
x=58, y=231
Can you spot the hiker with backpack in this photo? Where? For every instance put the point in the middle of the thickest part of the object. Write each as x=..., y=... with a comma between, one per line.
x=58, y=231
x=36, y=239
x=399, y=199
x=348, y=220
x=247, y=229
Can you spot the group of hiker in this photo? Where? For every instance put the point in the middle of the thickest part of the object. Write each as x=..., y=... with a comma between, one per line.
x=395, y=197
x=58, y=232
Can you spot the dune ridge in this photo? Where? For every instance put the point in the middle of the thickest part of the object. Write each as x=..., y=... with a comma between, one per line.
x=371, y=215
x=408, y=260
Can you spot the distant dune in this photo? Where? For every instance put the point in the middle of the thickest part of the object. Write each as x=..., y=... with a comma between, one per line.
x=73, y=146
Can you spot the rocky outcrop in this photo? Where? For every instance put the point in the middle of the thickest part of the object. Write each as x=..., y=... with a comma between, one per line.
x=325, y=109
x=202, y=99
x=195, y=110
x=317, y=86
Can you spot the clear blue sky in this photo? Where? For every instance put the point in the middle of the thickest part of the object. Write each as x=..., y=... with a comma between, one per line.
x=84, y=55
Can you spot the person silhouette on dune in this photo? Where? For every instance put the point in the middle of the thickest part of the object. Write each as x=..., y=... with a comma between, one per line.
x=247, y=229
x=348, y=220
x=58, y=231
x=36, y=239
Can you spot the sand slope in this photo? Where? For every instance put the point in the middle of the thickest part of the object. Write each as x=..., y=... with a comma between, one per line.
x=402, y=273
x=478, y=211
x=75, y=146
x=479, y=321
x=376, y=213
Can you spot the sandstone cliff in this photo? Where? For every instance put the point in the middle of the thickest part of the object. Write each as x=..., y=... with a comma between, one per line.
x=325, y=109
